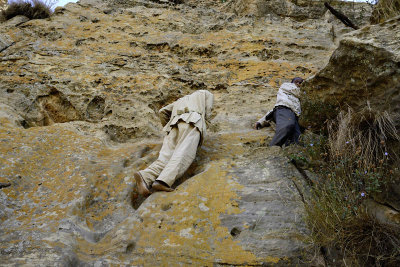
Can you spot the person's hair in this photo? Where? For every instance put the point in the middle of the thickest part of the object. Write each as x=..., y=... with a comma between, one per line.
x=297, y=79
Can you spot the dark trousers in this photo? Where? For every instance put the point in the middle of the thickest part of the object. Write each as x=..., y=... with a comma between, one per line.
x=287, y=127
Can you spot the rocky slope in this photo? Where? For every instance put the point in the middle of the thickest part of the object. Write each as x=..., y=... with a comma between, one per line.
x=364, y=68
x=79, y=94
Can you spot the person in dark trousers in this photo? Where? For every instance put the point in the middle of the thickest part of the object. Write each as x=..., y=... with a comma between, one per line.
x=285, y=114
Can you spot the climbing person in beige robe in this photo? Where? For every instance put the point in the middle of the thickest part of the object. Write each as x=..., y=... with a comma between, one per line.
x=184, y=122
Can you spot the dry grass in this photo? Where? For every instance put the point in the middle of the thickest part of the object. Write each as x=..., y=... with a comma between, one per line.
x=356, y=161
x=338, y=220
x=33, y=9
x=362, y=137
x=385, y=9
x=362, y=241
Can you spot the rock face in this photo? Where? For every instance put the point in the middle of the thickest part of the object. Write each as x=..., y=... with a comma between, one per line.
x=79, y=94
x=5, y=42
x=300, y=9
x=364, y=68
x=77, y=205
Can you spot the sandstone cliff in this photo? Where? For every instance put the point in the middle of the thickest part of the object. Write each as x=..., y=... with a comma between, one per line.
x=79, y=94
x=364, y=68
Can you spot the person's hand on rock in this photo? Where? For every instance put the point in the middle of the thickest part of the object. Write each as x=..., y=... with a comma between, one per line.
x=257, y=126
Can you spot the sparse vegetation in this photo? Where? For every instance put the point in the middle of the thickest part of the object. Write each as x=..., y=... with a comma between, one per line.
x=356, y=161
x=385, y=9
x=312, y=106
x=33, y=9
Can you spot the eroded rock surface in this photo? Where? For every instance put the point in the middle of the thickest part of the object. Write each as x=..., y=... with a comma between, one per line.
x=79, y=94
x=364, y=68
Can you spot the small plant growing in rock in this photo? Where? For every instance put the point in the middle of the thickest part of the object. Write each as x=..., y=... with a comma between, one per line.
x=33, y=9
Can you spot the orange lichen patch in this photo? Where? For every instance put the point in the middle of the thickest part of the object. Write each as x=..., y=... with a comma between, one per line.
x=52, y=244
x=249, y=47
x=222, y=37
x=232, y=144
x=3, y=180
x=11, y=242
x=275, y=260
x=17, y=80
x=251, y=70
x=210, y=65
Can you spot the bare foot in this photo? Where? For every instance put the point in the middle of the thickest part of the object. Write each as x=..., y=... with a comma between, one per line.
x=141, y=185
x=158, y=186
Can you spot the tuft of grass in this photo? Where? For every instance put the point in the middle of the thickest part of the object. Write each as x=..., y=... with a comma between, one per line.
x=384, y=10
x=33, y=9
x=356, y=161
x=361, y=139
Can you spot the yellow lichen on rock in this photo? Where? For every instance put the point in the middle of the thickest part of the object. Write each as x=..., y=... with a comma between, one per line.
x=78, y=116
x=186, y=220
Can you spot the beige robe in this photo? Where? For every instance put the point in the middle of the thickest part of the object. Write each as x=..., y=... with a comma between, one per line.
x=185, y=122
x=194, y=108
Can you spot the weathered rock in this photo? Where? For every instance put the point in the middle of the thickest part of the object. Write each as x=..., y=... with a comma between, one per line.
x=269, y=200
x=5, y=42
x=15, y=21
x=391, y=195
x=300, y=9
x=383, y=214
x=364, y=69
x=172, y=57
x=77, y=204
x=80, y=94
x=8, y=115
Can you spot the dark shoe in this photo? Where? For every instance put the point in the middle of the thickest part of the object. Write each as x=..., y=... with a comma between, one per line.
x=159, y=186
x=141, y=184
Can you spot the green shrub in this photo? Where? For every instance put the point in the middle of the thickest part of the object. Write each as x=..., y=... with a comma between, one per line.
x=316, y=114
x=355, y=161
x=34, y=9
